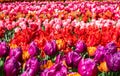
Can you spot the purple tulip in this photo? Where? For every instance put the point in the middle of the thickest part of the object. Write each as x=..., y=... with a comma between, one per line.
x=32, y=67
x=4, y=49
x=48, y=72
x=80, y=47
x=58, y=59
x=50, y=48
x=56, y=70
x=99, y=54
x=87, y=67
x=33, y=49
x=113, y=61
x=29, y=72
x=72, y=59
x=59, y=74
x=33, y=63
x=111, y=48
x=24, y=74
x=17, y=53
x=11, y=67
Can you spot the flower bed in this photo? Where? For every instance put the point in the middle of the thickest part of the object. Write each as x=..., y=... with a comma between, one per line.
x=60, y=38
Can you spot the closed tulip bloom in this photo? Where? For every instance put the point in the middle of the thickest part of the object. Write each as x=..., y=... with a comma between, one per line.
x=50, y=48
x=17, y=53
x=99, y=54
x=72, y=59
x=48, y=72
x=57, y=70
x=33, y=63
x=29, y=72
x=87, y=67
x=4, y=49
x=80, y=47
x=74, y=74
x=24, y=74
x=11, y=67
x=111, y=48
x=113, y=61
x=59, y=74
x=76, y=59
x=58, y=59
x=69, y=58
x=33, y=49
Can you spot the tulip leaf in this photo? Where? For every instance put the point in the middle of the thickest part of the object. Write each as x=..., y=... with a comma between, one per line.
x=1, y=68
x=103, y=74
x=43, y=27
x=89, y=19
x=73, y=48
x=8, y=35
x=47, y=57
x=1, y=63
x=80, y=18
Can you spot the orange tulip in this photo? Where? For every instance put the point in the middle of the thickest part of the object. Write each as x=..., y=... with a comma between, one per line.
x=25, y=55
x=47, y=65
x=91, y=51
x=103, y=67
x=13, y=45
x=60, y=44
x=74, y=74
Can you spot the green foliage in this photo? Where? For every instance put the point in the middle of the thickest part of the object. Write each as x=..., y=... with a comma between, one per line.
x=8, y=35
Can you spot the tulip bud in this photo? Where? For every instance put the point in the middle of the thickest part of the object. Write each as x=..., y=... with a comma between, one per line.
x=50, y=48
x=57, y=70
x=99, y=54
x=87, y=67
x=113, y=61
x=80, y=47
x=11, y=67
x=72, y=59
x=32, y=63
x=17, y=53
x=111, y=48
x=33, y=49
x=58, y=58
x=4, y=49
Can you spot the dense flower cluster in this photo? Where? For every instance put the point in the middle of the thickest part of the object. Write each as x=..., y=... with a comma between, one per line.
x=60, y=38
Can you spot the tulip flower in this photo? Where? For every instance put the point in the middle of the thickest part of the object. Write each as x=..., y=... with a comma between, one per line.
x=31, y=67
x=58, y=58
x=56, y=70
x=17, y=53
x=50, y=48
x=103, y=67
x=80, y=47
x=99, y=54
x=72, y=59
x=87, y=67
x=11, y=67
x=24, y=74
x=91, y=51
x=113, y=61
x=32, y=63
x=111, y=48
x=4, y=49
x=33, y=49
x=74, y=74
x=29, y=72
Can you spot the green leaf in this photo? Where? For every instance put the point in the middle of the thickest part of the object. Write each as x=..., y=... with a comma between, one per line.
x=103, y=74
x=9, y=34
x=1, y=67
x=43, y=27
x=80, y=18
x=1, y=63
